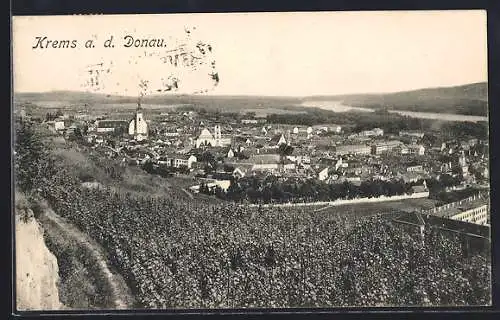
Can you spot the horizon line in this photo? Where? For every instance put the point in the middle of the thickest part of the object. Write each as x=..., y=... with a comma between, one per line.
x=208, y=94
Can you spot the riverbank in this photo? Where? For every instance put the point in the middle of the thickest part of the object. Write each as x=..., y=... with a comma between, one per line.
x=338, y=106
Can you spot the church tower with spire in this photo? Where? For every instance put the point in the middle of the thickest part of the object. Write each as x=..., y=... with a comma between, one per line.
x=138, y=127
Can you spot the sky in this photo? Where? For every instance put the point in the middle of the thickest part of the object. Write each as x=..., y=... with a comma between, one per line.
x=271, y=54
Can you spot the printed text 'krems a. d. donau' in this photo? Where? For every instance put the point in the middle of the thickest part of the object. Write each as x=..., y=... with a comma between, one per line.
x=128, y=41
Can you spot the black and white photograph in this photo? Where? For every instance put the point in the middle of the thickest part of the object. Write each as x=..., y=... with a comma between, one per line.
x=251, y=161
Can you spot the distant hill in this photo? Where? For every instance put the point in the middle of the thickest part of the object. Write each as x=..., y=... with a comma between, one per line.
x=470, y=99
x=58, y=99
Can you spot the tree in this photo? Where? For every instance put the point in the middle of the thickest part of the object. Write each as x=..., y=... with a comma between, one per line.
x=148, y=167
x=31, y=156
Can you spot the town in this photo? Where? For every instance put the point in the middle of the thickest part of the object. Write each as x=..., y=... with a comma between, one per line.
x=283, y=161
x=244, y=157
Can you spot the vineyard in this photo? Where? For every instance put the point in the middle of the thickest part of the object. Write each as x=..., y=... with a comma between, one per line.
x=176, y=253
x=179, y=255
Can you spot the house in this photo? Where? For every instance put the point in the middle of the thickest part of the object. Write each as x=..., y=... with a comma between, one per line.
x=288, y=165
x=99, y=140
x=171, y=134
x=339, y=163
x=409, y=177
x=329, y=128
x=56, y=125
x=178, y=160
x=486, y=173
x=417, y=168
x=265, y=167
x=323, y=173
x=377, y=132
x=474, y=209
x=385, y=146
x=278, y=140
x=417, y=149
x=239, y=173
x=353, y=149
x=403, y=149
x=59, y=125
x=249, y=121
x=420, y=190
x=415, y=134
x=242, y=170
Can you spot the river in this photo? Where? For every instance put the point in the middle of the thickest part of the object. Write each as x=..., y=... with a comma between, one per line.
x=338, y=106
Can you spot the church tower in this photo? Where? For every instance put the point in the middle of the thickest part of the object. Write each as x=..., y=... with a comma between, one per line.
x=461, y=160
x=138, y=127
x=217, y=136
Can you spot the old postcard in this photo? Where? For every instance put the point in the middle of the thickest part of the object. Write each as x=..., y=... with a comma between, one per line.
x=260, y=160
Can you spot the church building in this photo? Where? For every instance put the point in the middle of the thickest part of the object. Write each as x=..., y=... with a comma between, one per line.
x=138, y=127
x=216, y=140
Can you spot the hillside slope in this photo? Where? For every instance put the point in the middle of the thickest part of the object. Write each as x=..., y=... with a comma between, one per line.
x=470, y=99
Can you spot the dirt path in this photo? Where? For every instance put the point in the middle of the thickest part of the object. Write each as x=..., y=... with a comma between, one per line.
x=188, y=193
x=119, y=295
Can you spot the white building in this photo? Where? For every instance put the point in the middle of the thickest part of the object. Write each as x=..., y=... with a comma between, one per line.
x=416, y=149
x=323, y=174
x=353, y=149
x=478, y=215
x=377, y=132
x=385, y=146
x=59, y=125
x=178, y=161
x=338, y=164
x=415, y=134
x=138, y=127
x=417, y=168
x=474, y=209
x=207, y=139
x=282, y=140
x=249, y=121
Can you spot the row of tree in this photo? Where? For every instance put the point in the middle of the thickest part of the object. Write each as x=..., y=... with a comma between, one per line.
x=389, y=122
x=164, y=170
x=273, y=190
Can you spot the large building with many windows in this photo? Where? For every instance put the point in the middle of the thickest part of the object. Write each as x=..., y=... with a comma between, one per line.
x=475, y=209
x=352, y=149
